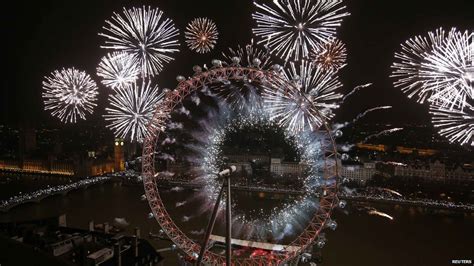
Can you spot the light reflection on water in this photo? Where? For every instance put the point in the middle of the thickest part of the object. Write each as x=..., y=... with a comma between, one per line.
x=414, y=237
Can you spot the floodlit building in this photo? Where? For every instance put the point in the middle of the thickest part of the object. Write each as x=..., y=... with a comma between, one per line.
x=286, y=168
x=434, y=171
x=358, y=173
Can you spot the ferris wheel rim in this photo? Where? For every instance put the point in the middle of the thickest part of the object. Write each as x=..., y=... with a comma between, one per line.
x=232, y=73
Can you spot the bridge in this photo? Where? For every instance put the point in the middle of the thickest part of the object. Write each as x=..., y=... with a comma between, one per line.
x=424, y=203
x=429, y=204
x=34, y=199
x=255, y=244
x=165, y=183
x=39, y=195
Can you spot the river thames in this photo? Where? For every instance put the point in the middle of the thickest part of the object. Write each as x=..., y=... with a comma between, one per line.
x=413, y=237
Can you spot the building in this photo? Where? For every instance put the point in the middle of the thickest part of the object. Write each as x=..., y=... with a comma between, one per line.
x=358, y=173
x=62, y=245
x=286, y=168
x=78, y=168
x=119, y=155
x=420, y=152
x=27, y=141
x=48, y=167
x=436, y=171
x=399, y=149
x=248, y=158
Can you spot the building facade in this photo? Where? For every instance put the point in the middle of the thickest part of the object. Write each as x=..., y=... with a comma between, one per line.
x=436, y=171
x=278, y=167
x=358, y=173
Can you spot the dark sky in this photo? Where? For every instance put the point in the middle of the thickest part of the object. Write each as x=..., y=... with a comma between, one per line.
x=41, y=36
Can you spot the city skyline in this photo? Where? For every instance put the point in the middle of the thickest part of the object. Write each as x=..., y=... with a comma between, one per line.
x=237, y=132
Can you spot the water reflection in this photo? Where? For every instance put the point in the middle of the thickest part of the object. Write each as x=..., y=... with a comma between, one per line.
x=414, y=237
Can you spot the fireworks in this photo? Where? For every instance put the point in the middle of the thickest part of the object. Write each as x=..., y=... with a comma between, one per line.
x=437, y=68
x=240, y=96
x=251, y=56
x=392, y=191
x=117, y=70
x=455, y=124
x=383, y=133
x=293, y=27
x=331, y=55
x=449, y=70
x=201, y=35
x=308, y=101
x=146, y=35
x=69, y=94
x=206, y=153
x=411, y=58
x=381, y=214
x=440, y=69
x=245, y=95
x=131, y=110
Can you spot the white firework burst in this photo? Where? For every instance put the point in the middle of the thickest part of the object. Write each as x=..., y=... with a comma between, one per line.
x=69, y=94
x=457, y=125
x=250, y=56
x=308, y=101
x=449, y=70
x=118, y=70
x=437, y=67
x=410, y=58
x=292, y=27
x=244, y=96
x=201, y=35
x=145, y=34
x=131, y=110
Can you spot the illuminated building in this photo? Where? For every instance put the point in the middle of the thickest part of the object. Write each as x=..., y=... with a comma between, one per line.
x=434, y=171
x=284, y=168
x=119, y=156
x=358, y=173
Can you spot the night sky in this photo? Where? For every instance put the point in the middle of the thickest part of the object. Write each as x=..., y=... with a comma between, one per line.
x=42, y=36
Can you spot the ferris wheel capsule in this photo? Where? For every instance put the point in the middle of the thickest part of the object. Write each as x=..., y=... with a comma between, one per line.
x=342, y=204
x=277, y=68
x=216, y=63
x=235, y=60
x=197, y=69
x=256, y=62
x=332, y=225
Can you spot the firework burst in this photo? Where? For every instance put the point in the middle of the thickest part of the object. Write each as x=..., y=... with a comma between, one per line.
x=449, y=70
x=145, y=34
x=69, y=94
x=250, y=56
x=331, y=55
x=206, y=153
x=131, y=110
x=439, y=67
x=308, y=102
x=457, y=125
x=118, y=70
x=292, y=27
x=409, y=62
x=245, y=95
x=201, y=35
